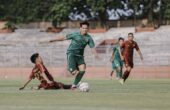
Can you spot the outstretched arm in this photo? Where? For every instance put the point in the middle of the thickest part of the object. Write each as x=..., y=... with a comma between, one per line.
x=112, y=57
x=59, y=38
x=25, y=84
x=140, y=54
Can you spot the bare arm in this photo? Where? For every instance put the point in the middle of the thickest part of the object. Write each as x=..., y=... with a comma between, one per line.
x=112, y=57
x=140, y=54
x=94, y=52
x=45, y=77
x=59, y=38
x=25, y=84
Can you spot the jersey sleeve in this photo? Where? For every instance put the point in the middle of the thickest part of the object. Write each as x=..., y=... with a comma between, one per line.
x=123, y=45
x=91, y=43
x=32, y=75
x=113, y=49
x=70, y=36
x=49, y=76
x=136, y=46
x=41, y=68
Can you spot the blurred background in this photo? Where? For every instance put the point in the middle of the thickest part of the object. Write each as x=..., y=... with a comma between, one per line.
x=25, y=23
x=58, y=11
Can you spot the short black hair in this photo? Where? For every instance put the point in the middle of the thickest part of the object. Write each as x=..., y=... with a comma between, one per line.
x=120, y=38
x=34, y=57
x=130, y=34
x=84, y=23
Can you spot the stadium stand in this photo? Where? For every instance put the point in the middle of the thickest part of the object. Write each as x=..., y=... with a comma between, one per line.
x=17, y=47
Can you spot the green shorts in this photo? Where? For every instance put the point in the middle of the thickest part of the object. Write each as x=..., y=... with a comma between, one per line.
x=117, y=64
x=73, y=61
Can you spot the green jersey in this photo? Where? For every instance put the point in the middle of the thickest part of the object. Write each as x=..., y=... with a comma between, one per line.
x=79, y=42
x=116, y=52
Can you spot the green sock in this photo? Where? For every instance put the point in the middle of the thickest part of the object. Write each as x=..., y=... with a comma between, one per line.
x=119, y=73
x=79, y=77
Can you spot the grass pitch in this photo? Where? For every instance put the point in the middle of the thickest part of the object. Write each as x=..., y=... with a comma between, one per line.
x=103, y=95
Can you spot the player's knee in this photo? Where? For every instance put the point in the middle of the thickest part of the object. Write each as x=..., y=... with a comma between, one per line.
x=74, y=72
x=82, y=72
x=129, y=69
x=118, y=69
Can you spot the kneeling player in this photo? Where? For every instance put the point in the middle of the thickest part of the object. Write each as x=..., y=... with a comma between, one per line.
x=41, y=73
x=117, y=59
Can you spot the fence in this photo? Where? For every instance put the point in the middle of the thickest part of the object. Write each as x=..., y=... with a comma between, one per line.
x=15, y=62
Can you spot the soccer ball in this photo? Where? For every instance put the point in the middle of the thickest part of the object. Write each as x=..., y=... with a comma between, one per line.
x=84, y=87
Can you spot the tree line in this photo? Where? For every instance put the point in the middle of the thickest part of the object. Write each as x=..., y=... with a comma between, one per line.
x=57, y=11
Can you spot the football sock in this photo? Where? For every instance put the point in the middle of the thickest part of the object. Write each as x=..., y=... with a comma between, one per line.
x=79, y=77
x=126, y=75
x=111, y=73
x=119, y=74
x=67, y=86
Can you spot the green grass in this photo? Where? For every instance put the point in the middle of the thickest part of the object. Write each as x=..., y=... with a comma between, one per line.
x=104, y=95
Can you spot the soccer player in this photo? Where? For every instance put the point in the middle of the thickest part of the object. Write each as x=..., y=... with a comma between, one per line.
x=41, y=73
x=75, y=59
x=117, y=59
x=128, y=48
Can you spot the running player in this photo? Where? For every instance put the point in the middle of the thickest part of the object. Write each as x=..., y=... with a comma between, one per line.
x=75, y=52
x=128, y=48
x=117, y=59
x=41, y=73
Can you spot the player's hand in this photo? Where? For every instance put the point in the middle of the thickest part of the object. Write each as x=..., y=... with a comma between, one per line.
x=142, y=62
x=21, y=88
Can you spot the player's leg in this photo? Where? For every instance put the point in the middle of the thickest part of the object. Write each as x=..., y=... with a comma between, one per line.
x=44, y=85
x=81, y=67
x=111, y=74
x=118, y=72
x=80, y=74
x=126, y=73
x=118, y=69
x=113, y=69
x=60, y=85
x=121, y=69
x=67, y=86
x=72, y=64
x=128, y=66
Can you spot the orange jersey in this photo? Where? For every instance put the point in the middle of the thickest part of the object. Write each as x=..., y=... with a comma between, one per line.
x=128, y=48
x=37, y=72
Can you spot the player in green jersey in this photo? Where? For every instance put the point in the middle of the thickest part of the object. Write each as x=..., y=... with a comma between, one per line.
x=117, y=59
x=75, y=59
